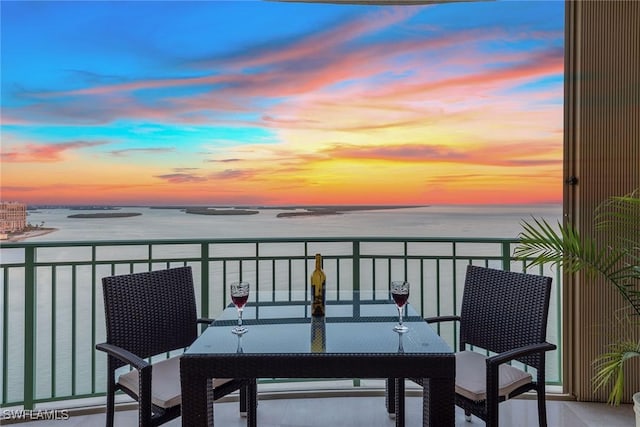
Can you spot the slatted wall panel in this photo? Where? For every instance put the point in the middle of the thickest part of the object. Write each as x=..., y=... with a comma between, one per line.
x=602, y=127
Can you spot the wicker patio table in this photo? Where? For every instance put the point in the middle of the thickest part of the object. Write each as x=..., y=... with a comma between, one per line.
x=355, y=340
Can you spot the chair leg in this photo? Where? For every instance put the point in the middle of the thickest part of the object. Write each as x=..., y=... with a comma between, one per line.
x=541, y=391
x=492, y=413
x=491, y=402
x=542, y=407
x=110, y=403
x=111, y=390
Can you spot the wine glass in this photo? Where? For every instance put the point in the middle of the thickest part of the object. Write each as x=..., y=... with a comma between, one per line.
x=400, y=295
x=239, y=296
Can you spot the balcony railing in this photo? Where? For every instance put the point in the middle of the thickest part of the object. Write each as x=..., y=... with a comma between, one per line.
x=52, y=297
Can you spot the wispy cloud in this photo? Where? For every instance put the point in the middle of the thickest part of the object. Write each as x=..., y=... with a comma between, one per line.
x=233, y=174
x=32, y=152
x=181, y=178
x=148, y=150
x=224, y=160
x=476, y=153
x=313, y=63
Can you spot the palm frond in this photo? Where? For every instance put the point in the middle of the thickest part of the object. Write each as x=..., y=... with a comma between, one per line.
x=620, y=217
x=615, y=257
x=610, y=368
x=540, y=243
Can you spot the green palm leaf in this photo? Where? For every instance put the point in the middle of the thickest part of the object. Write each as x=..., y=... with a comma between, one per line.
x=610, y=368
x=617, y=260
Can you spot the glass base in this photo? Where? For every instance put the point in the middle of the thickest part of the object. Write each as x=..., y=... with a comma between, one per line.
x=239, y=330
x=400, y=328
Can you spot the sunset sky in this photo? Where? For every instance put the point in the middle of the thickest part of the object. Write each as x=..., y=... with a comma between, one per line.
x=266, y=103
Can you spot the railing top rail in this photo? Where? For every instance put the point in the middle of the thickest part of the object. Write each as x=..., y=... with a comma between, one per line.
x=259, y=240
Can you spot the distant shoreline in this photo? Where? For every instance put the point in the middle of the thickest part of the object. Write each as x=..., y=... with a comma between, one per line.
x=22, y=235
x=245, y=207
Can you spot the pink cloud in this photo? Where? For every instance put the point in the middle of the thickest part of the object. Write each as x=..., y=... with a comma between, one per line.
x=46, y=152
x=90, y=102
x=317, y=43
x=539, y=64
x=314, y=64
x=521, y=154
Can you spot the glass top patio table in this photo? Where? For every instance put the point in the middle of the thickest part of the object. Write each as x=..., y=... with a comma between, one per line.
x=354, y=340
x=287, y=329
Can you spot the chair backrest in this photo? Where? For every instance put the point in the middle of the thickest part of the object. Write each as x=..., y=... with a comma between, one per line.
x=503, y=310
x=152, y=312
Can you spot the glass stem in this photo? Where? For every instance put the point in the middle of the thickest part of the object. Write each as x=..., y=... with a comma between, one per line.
x=400, y=314
x=240, y=318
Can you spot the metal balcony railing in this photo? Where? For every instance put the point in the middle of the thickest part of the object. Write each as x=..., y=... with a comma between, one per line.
x=52, y=300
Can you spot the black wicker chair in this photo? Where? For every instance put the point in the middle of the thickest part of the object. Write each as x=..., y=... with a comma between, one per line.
x=504, y=313
x=148, y=314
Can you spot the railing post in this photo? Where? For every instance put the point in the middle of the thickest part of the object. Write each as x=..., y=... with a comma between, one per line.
x=356, y=278
x=356, y=265
x=29, y=324
x=204, y=280
x=506, y=256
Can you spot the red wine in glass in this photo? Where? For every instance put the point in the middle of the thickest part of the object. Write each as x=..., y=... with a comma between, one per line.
x=239, y=300
x=400, y=299
x=400, y=295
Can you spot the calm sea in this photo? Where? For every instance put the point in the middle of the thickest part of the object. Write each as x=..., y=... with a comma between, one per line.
x=430, y=221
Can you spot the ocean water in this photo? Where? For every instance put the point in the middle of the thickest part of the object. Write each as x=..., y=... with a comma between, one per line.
x=430, y=221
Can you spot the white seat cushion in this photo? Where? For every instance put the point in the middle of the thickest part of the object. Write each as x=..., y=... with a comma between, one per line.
x=165, y=382
x=471, y=379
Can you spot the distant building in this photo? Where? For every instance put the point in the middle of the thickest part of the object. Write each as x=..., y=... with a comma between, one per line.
x=13, y=216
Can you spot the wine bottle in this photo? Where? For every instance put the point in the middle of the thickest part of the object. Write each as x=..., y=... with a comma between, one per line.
x=318, y=281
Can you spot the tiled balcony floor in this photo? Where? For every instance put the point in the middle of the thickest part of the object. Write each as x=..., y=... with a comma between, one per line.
x=370, y=412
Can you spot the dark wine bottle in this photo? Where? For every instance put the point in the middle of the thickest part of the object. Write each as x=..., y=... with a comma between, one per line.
x=318, y=281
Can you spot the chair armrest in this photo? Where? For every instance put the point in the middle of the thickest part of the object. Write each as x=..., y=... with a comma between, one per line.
x=124, y=355
x=507, y=356
x=439, y=319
